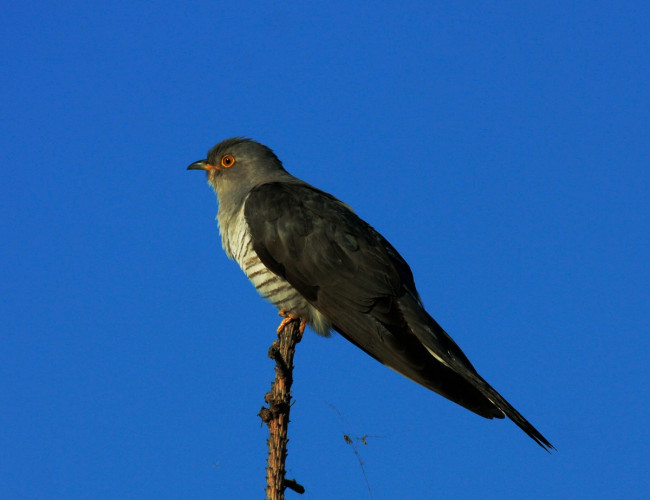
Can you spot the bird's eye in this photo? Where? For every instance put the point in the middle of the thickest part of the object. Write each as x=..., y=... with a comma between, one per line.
x=227, y=161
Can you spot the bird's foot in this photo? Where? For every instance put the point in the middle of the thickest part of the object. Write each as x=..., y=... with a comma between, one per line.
x=288, y=318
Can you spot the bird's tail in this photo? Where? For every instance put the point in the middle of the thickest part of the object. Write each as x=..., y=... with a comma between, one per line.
x=441, y=346
x=509, y=411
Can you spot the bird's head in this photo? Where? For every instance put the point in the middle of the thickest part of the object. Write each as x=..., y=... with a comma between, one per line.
x=235, y=166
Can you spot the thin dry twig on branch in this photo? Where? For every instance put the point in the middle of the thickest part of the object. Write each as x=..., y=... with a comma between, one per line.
x=276, y=416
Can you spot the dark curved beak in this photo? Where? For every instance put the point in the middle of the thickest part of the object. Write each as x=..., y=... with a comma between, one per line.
x=199, y=165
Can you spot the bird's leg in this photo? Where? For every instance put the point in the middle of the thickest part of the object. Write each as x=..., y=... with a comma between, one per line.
x=288, y=318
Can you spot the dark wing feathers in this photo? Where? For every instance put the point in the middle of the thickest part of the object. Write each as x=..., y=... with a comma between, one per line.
x=353, y=276
x=314, y=241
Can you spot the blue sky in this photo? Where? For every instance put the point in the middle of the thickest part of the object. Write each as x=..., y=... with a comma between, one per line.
x=501, y=147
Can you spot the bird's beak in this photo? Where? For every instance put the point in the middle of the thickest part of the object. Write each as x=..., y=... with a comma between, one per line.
x=200, y=165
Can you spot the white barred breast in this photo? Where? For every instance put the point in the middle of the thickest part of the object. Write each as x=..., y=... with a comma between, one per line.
x=238, y=246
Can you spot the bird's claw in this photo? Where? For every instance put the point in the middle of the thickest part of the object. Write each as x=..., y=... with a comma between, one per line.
x=288, y=318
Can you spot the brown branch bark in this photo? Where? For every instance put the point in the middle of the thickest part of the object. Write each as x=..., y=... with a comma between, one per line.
x=276, y=415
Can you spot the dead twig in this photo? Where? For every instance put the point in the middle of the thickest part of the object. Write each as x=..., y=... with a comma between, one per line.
x=276, y=415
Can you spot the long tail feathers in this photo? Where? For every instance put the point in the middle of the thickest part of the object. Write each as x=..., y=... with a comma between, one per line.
x=503, y=405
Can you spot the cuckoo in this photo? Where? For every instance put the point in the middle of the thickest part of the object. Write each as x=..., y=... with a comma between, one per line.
x=310, y=255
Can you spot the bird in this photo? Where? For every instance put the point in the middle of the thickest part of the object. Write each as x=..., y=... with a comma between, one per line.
x=312, y=257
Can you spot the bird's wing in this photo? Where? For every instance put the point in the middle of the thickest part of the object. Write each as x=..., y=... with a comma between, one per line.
x=352, y=275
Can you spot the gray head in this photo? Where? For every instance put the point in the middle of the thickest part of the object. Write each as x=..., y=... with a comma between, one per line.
x=237, y=165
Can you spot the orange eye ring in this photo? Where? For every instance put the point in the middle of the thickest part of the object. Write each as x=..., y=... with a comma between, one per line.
x=227, y=161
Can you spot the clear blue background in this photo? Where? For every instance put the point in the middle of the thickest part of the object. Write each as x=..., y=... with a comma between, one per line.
x=503, y=148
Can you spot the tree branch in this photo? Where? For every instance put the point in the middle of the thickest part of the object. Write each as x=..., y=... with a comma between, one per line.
x=276, y=416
